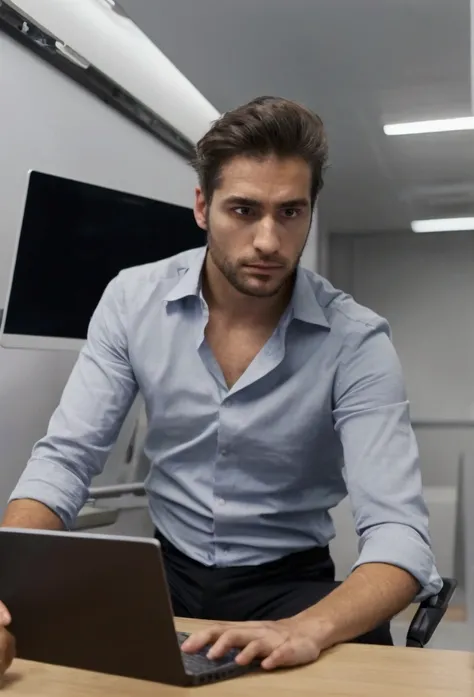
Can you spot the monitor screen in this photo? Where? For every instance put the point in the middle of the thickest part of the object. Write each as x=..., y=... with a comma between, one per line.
x=75, y=237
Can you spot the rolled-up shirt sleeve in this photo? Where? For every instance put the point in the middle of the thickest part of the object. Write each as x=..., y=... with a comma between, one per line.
x=382, y=471
x=85, y=426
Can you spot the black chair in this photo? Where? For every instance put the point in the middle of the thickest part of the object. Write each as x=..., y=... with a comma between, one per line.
x=429, y=614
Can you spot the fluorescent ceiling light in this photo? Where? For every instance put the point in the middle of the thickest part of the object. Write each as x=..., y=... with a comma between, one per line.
x=443, y=225
x=465, y=123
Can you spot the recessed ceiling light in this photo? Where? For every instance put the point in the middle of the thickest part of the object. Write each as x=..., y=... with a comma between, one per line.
x=443, y=225
x=465, y=123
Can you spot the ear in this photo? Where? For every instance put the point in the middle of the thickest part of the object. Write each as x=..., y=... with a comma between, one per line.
x=200, y=209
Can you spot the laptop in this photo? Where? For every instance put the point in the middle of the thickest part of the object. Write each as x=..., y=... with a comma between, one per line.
x=99, y=603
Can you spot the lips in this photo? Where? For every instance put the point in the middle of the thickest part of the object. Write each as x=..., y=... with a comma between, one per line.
x=265, y=267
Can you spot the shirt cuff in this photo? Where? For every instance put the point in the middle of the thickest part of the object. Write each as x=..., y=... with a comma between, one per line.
x=53, y=485
x=401, y=546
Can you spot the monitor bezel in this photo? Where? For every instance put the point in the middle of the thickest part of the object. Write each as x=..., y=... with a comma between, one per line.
x=40, y=343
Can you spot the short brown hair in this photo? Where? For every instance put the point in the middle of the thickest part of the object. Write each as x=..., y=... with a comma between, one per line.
x=265, y=126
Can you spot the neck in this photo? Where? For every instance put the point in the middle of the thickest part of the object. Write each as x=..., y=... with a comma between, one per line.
x=236, y=307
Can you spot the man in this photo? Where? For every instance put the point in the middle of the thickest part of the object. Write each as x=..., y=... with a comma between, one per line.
x=269, y=395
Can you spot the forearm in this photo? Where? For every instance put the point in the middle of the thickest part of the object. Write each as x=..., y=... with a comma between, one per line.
x=372, y=594
x=26, y=513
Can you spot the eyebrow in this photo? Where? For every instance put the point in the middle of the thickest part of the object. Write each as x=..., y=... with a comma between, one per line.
x=244, y=201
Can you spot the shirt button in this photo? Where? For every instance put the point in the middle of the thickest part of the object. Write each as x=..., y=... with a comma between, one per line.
x=224, y=452
x=221, y=502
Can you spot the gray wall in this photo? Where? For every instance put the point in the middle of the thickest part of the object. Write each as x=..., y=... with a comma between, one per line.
x=309, y=258
x=51, y=124
x=316, y=253
x=424, y=285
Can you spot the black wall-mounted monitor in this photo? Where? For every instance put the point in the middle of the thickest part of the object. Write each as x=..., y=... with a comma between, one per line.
x=74, y=238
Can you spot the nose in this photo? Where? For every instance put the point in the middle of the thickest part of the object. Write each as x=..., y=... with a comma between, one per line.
x=267, y=238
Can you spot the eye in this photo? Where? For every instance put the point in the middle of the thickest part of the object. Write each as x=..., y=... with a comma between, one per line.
x=291, y=212
x=243, y=211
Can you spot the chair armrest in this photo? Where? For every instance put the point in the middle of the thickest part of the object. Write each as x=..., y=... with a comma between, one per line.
x=115, y=490
x=429, y=614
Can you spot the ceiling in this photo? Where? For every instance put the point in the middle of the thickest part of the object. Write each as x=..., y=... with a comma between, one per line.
x=359, y=64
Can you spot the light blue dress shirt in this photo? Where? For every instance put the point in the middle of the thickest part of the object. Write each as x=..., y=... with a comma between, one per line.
x=245, y=475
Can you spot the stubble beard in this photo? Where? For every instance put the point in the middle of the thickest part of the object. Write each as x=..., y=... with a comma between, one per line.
x=234, y=276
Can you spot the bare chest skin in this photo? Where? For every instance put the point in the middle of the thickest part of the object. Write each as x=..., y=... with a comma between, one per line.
x=235, y=348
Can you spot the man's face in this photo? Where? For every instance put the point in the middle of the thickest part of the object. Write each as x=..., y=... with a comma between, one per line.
x=258, y=222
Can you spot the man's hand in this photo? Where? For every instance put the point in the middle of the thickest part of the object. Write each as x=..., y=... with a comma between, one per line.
x=7, y=641
x=279, y=644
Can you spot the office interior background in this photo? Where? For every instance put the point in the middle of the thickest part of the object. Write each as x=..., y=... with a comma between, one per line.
x=361, y=64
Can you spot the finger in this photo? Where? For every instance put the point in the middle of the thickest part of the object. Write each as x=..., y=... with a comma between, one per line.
x=233, y=639
x=282, y=656
x=199, y=640
x=259, y=648
x=291, y=653
x=5, y=617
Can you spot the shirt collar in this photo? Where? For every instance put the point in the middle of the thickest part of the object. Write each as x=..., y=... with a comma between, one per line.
x=190, y=278
x=304, y=304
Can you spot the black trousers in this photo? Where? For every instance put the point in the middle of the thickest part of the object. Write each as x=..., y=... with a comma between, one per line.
x=271, y=591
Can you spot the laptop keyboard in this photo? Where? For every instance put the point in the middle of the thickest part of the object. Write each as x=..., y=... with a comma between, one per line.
x=197, y=663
